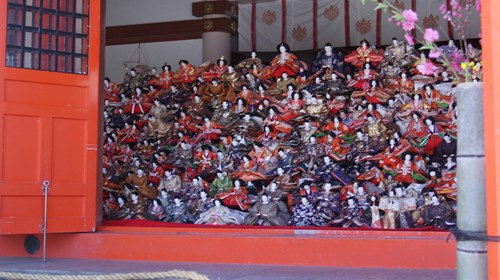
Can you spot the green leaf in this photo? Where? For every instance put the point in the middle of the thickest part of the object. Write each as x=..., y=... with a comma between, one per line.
x=381, y=6
x=427, y=47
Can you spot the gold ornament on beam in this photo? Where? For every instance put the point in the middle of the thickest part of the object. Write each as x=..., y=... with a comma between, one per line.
x=208, y=25
x=208, y=8
x=233, y=26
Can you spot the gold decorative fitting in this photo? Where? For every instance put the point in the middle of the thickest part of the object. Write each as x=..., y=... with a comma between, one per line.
x=233, y=9
x=208, y=25
x=208, y=8
x=233, y=26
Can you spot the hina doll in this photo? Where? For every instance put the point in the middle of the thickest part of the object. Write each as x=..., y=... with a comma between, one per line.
x=364, y=53
x=284, y=62
x=219, y=214
x=235, y=197
x=265, y=213
x=363, y=78
x=304, y=215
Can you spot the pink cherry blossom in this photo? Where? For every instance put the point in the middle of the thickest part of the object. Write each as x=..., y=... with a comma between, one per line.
x=409, y=38
x=434, y=53
x=431, y=35
x=410, y=18
x=427, y=68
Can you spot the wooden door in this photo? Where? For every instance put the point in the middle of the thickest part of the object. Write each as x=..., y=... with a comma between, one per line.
x=49, y=93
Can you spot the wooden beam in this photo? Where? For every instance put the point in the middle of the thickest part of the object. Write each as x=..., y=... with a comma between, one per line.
x=228, y=8
x=167, y=31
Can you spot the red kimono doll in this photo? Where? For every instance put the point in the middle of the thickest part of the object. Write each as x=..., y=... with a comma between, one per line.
x=137, y=105
x=363, y=78
x=111, y=91
x=246, y=171
x=407, y=171
x=274, y=120
x=186, y=124
x=374, y=94
x=206, y=159
x=166, y=77
x=403, y=85
x=364, y=53
x=294, y=107
x=210, y=130
x=416, y=129
x=235, y=197
x=284, y=62
x=185, y=74
x=217, y=71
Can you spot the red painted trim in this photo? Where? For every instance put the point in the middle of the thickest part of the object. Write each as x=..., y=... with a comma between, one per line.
x=379, y=25
x=252, y=25
x=414, y=8
x=450, y=28
x=346, y=24
x=283, y=20
x=315, y=24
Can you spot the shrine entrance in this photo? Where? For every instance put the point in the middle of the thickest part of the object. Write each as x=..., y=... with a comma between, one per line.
x=49, y=72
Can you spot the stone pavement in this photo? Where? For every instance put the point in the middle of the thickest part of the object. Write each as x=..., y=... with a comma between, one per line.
x=218, y=271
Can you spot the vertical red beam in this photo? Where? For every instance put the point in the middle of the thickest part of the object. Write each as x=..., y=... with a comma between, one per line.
x=450, y=28
x=414, y=8
x=252, y=25
x=346, y=23
x=315, y=24
x=490, y=22
x=379, y=24
x=283, y=20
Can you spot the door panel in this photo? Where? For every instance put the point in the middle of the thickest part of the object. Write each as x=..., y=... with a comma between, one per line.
x=49, y=120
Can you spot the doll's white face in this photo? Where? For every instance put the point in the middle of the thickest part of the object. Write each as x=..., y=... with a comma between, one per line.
x=120, y=200
x=282, y=49
x=415, y=116
x=155, y=203
x=395, y=42
x=214, y=82
x=304, y=201
x=220, y=175
x=221, y=63
x=217, y=203
x=326, y=160
x=428, y=122
x=274, y=186
x=132, y=72
x=177, y=201
x=138, y=90
x=168, y=173
x=328, y=49
x=295, y=96
x=374, y=83
x=317, y=80
x=284, y=75
x=140, y=172
x=224, y=105
x=367, y=66
x=328, y=187
x=363, y=44
x=391, y=102
x=392, y=142
x=280, y=170
x=197, y=98
x=407, y=157
x=350, y=202
x=359, y=134
x=230, y=69
x=403, y=75
x=254, y=54
x=307, y=188
x=361, y=191
x=203, y=195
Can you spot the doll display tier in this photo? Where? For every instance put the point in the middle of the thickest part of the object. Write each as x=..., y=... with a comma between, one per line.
x=259, y=146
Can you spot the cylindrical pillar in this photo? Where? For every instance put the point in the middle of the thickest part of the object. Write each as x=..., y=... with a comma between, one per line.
x=215, y=43
x=472, y=258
